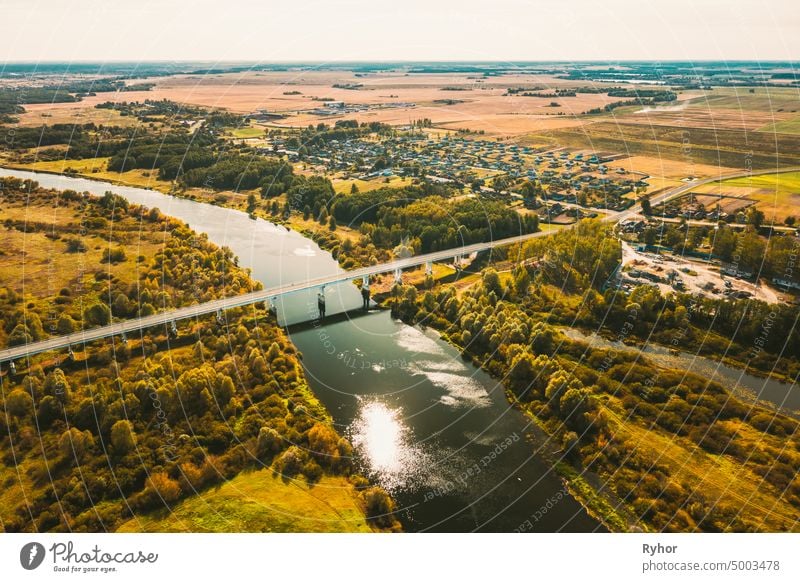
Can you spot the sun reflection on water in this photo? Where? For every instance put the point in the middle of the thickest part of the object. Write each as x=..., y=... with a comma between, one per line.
x=386, y=445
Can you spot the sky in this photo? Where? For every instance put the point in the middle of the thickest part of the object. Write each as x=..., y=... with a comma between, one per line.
x=368, y=30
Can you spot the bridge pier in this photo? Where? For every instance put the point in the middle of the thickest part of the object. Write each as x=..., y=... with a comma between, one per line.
x=365, y=282
x=429, y=268
x=398, y=276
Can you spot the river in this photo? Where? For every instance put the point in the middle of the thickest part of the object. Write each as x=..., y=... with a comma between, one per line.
x=435, y=431
x=768, y=391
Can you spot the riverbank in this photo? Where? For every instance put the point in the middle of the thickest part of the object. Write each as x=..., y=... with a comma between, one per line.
x=769, y=390
x=281, y=428
x=418, y=415
x=582, y=485
x=630, y=438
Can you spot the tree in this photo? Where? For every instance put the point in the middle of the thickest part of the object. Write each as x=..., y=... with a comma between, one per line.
x=723, y=242
x=65, y=325
x=75, y=245
x=380, y=506
x=251, y=203
x=114, y=256
x=162, y=486
x=269, y=441
x=56, y=385
x=19, y=403
x=123, y=439
x=324, y=442
x=650, y=236
x=98, y=314
x=647, y=210
x=491, y=282
x=751, y=250
x=20, y=335
x=74, y=443
x=755, y=217
x=121, y=305
x=331, y=224
x=522, y=280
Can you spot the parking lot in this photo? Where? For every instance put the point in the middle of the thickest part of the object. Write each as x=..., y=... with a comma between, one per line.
x=670, y=273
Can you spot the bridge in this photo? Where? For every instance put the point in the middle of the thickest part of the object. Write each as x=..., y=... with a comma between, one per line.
x=169, y=317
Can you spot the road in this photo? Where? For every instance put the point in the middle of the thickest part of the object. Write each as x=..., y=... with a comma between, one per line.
x=165, y=318
x=684, y=188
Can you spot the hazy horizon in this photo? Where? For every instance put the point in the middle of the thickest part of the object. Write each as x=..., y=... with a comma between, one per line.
x=412, y=31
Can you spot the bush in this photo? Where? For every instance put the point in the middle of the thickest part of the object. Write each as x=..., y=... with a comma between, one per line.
x=113, y=256
x=75, y=245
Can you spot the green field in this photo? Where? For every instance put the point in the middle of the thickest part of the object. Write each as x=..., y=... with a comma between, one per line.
x=740, y=98
x=790, y=126
x=260, y=501
x=247, y=132
x=787, y=182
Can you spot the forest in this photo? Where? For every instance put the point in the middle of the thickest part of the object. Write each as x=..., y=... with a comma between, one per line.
x=651, y=434
x=128, y=427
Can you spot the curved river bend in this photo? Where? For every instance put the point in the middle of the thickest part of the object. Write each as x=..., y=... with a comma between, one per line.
x=435, y=431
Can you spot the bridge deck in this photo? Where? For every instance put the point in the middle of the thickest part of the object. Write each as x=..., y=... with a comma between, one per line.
x=164, y=318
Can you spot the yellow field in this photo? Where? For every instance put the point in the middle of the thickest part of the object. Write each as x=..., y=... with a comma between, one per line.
x=41, y=266
x=260, y=501
x=343, y=186
x=668, y=169
x=74, y=113
x=480, y=104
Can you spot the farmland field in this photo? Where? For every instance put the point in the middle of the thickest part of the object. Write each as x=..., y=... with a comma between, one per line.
x=728, y=148
x=776, y=195
x=791, y=126
x=455, y=101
